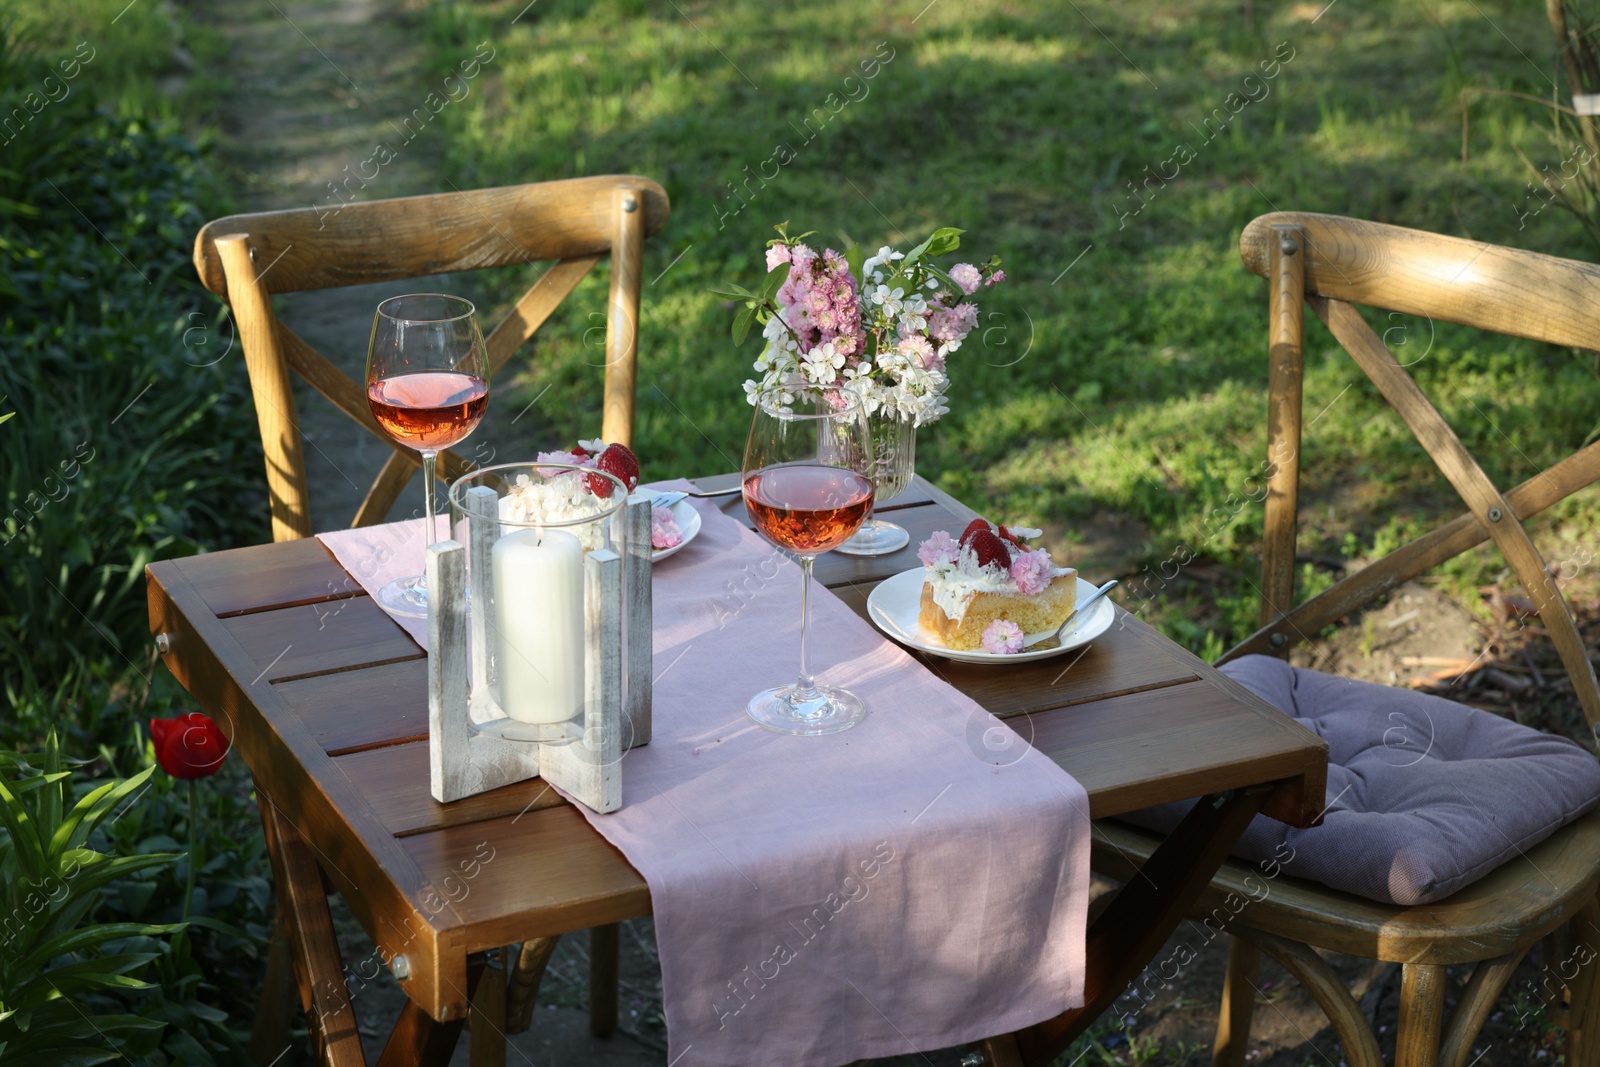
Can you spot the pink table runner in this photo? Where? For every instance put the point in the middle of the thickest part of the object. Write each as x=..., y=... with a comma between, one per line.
x=897, y=887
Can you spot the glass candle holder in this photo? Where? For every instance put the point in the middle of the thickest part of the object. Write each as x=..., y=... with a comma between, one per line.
x=528, y=528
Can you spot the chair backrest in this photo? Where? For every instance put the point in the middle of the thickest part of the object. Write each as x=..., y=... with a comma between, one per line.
x=1333, y=264
x=245, y=259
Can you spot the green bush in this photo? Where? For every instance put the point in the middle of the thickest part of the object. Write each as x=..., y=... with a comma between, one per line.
x=132, y=439
x=65, y=976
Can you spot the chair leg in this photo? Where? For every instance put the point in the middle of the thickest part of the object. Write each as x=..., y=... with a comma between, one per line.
x=526, y=975
x=1477, y=1000
x=1583, y=1017
x=1421, y=1015
x=1238, y=1002
x=603, y=980
x=1313, y=972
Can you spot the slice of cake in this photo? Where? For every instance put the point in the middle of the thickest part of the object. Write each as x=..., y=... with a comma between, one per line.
x=989, y=578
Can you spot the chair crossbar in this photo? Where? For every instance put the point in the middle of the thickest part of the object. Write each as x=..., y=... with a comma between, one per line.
x=1423, y=554
x=1332, y=264
x=1488, y=506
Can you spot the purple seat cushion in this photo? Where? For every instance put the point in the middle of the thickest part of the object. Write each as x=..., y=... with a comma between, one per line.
x=1424, y=795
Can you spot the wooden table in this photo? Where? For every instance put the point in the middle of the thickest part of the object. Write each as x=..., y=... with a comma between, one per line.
x=324, y=698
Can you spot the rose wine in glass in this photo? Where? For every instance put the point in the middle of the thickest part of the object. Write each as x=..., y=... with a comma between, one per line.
x=428, y=387
x=807, y=490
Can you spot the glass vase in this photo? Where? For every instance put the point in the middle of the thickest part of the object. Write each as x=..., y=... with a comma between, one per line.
x=894, y=461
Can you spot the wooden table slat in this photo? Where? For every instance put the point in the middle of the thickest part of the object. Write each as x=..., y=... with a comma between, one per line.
x=388, y=777
x=366, y=708
x=1138, y=750
x=318, y=638
x=1124, y=659
x=265, y=576
x=546, y=872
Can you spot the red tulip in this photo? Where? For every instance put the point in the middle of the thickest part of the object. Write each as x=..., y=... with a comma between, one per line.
x=189, y=746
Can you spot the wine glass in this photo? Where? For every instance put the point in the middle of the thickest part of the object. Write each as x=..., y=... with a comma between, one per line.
x=806, y=488
x=428, y=386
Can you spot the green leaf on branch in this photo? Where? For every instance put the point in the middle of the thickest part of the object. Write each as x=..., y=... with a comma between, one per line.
x=941, y=241
x=732, y=292
x=741, y=324
x=774, y=281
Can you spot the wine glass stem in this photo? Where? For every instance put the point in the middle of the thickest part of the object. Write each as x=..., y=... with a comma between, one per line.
x=428, y=459
x=806, y=688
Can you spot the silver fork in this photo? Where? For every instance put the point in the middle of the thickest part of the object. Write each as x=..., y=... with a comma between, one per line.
x=1041, y=642
x=667, y=499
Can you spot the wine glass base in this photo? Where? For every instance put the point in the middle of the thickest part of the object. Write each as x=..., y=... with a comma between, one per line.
x=876, y=538
x=833, y=710
x=405, y=596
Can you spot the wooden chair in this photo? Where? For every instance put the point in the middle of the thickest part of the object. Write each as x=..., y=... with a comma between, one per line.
x=1334, y=264
x=246, y=259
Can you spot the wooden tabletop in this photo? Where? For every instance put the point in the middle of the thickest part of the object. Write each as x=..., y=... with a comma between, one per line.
x=325, y=698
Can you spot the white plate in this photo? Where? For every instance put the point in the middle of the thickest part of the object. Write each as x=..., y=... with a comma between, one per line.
x=895, y=604
x=688, y=525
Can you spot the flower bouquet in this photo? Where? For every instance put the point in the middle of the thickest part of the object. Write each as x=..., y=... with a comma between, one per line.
x=883, y=327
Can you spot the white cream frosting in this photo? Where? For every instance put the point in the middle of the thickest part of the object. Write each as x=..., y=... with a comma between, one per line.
x=953, y=590
x=537, y=501
x=954, y=584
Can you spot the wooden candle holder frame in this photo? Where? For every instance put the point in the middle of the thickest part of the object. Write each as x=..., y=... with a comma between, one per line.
x=467, y=747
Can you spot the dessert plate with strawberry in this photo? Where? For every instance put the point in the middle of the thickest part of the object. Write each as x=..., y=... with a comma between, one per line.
x=982, y=597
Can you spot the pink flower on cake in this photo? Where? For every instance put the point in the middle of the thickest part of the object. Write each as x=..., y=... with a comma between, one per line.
x=1002, y=638
x=569, y=458
x=939, y=549
x=1032, y=571
x=664, y=532
x=966, y=276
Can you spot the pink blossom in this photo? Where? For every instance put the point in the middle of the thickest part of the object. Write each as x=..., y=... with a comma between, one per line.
x=777, y=254
x=1032, y=571
x=996, y=278
x=939, y=549
x=944, y=326
x=919, y=348
x=664, y=532
x=1002, y=638
x=967, y=315
x=966, y=276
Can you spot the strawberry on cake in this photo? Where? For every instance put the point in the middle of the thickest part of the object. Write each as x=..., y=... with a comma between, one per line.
x=989, y=588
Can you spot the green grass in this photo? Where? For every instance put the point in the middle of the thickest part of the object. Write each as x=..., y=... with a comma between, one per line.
x=1133, y=382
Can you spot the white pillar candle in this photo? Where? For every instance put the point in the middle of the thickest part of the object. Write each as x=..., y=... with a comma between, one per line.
x=538, y=614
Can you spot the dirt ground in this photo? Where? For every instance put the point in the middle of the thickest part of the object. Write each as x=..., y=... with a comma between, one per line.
x=315, y=82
